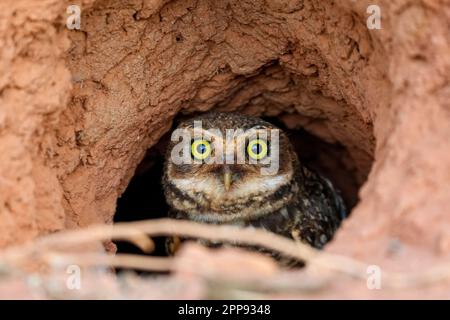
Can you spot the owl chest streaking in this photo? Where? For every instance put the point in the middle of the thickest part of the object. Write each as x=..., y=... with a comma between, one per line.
x=226, y=168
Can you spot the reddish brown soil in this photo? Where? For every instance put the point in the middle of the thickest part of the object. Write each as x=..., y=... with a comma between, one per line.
x=78, y=109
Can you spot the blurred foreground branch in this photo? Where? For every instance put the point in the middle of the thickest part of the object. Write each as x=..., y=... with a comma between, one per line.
x=136, y=232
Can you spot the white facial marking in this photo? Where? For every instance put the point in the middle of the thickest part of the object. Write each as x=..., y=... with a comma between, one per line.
x=212, y=187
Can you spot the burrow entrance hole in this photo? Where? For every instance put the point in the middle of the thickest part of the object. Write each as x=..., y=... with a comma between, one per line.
x=316, y=62
x=144, y=197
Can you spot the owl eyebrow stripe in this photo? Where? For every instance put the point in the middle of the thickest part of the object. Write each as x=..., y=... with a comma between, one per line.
x=236, y=133
x=204, y=133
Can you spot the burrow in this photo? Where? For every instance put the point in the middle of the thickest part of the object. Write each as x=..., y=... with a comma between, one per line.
x=306, y=66
x=84, y=113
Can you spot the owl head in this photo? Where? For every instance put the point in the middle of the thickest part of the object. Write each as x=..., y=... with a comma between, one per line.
x=227, y=167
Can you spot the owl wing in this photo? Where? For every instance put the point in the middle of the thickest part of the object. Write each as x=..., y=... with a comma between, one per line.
x=321, y=208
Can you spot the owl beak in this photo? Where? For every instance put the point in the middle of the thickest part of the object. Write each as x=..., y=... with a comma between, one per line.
x=227, y=179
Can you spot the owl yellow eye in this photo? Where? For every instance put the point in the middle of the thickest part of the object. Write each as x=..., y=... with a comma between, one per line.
x=257, y=149
x=200, y=149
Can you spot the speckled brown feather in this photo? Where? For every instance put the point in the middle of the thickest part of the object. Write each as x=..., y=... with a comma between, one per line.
x=310, y=211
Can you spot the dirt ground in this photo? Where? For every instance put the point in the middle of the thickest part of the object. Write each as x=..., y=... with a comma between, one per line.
x=80, y=108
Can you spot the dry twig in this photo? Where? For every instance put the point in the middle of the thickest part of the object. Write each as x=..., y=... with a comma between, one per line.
x=162, y=227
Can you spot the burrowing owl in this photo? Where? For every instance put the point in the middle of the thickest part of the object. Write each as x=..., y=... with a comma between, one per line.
x=214, y=173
